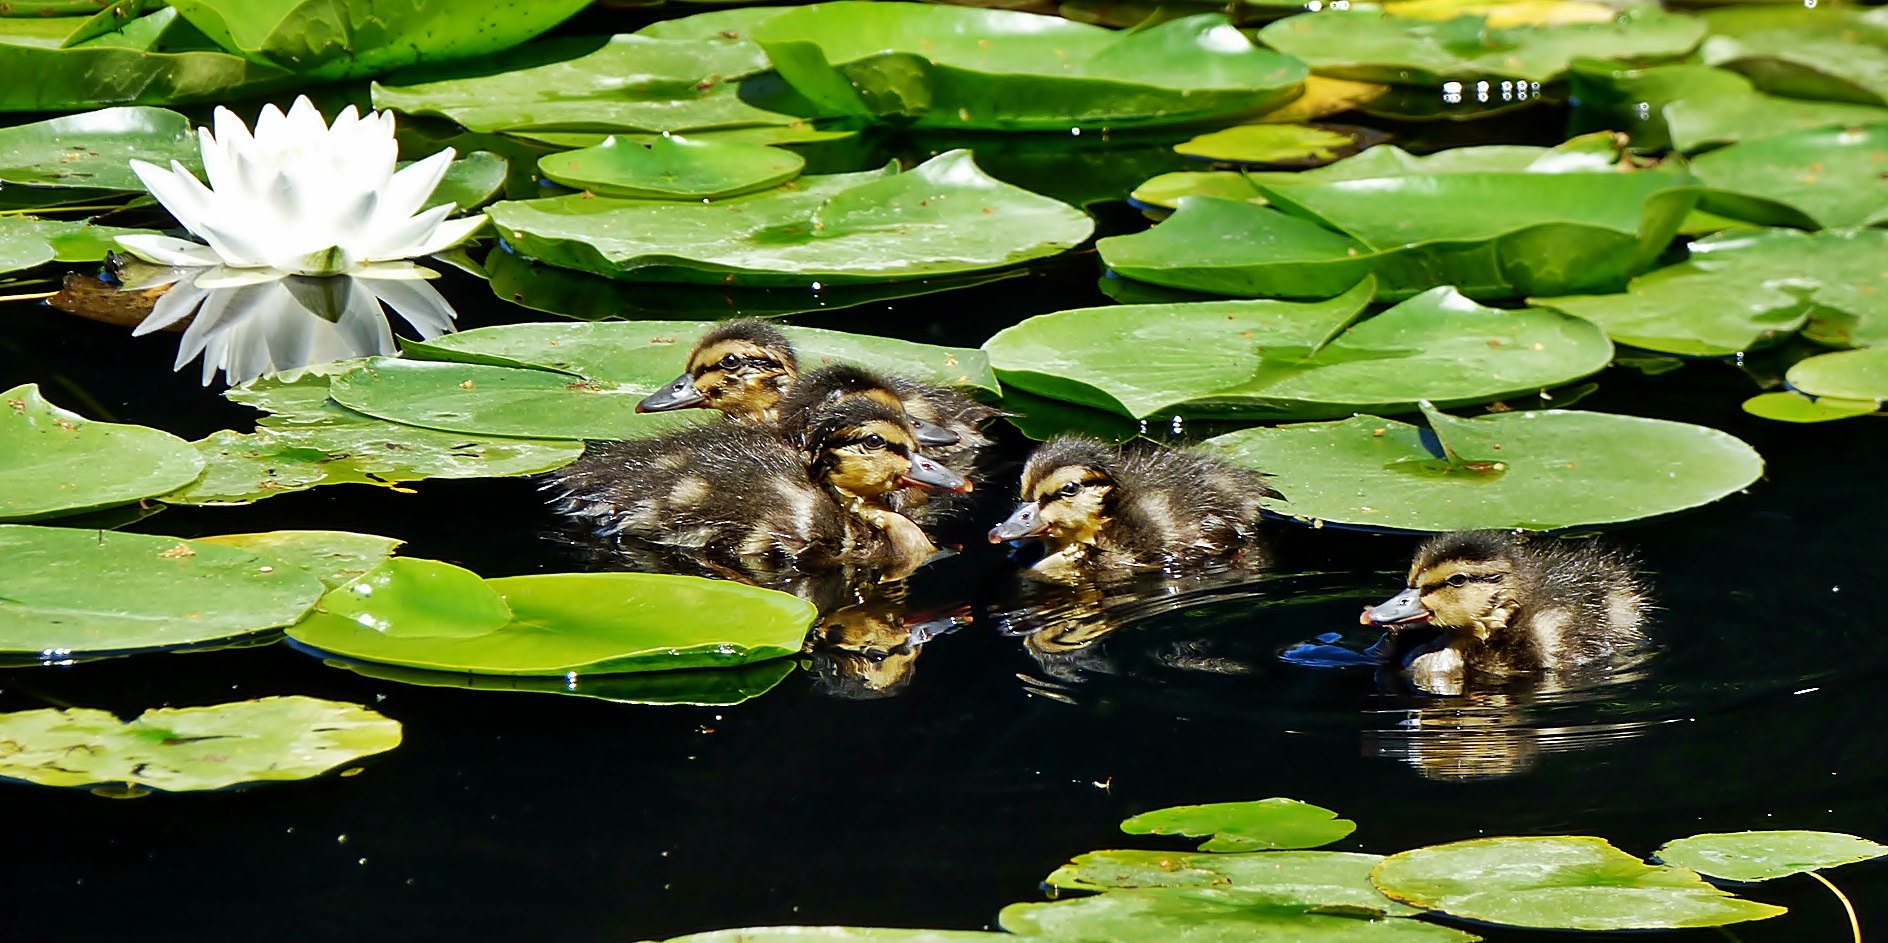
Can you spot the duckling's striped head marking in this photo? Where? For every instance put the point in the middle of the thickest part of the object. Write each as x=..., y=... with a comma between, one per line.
x=865, y=448
x=739, y=367
x=1069, y=489
x=1463, y=581
x=830, y=384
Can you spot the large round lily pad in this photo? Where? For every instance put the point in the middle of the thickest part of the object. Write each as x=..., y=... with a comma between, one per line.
x=1826, y=54
x=1849, y=374
x=672, y=168
x=1761, y=856
x=75, y=591
x=1558, y=882
x=586, y=623
x=273, y=739
x=1246, y=826
x=1820, y=178
x=55, y=462
x=1526, y=470
x=943, y=217
x=961, y=67
x=1208, y=915
x=1271, y=359
x=1232, y=247
x=501, y=401
x=332, y=556
x=92, y=150
x=1320, y=878
x=88, y=75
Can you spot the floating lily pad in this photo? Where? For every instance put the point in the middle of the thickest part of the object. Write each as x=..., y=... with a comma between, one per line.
x=501, y=401
x=644, y=355
x=1502, y=14
x=471, y=181
x=92, y=149
x=424, y=599
x=1321, y=878
x=1205, y=915
x=74, y=591
x=942, y=217
x=1166, y=190
x=1820, y=178
x=1584, y=154
x=841, y=935
x=1553, y=469
x=26, y=241
x=1365, y=45
x=55, y=462
x=95, y=74
x=1826, y=54
x=1246, y=826
x=332, y=556
x=586, y=623
x=1850, y=375
x=1231, y=247
x=1794, y=407
x=1623, y=98
x=273, y=739
x=1292, y=145
x=959, y=67
x=1761, y=856
x=1438, y=346
x=672, y=168
x=1323, y=96
x=1743, y=288
x=695, y=687
x=1558, y=882
x=1695, y=123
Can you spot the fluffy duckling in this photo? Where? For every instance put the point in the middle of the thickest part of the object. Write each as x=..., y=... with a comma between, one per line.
x=1508, y=607
x=1106, y=511
x=738, y=367
x=740, y=493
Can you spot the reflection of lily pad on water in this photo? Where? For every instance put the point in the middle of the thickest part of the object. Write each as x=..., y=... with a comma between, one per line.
x=1521, y=470
x=1213, y=915
x=1324, y=878
x=55, y=462
x=193, y=748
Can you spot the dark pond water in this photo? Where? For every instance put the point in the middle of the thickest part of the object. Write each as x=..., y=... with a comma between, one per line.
x=513, y=816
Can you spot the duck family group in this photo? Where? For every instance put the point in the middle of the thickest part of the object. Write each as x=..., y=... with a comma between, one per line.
x=841, y=466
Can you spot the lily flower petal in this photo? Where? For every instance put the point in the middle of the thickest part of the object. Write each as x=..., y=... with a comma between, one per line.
x=397, y=271
x=402, y=241
x=175, y=304
x=407, y=191
x=237, y=277
x=165, y=250
x=450, y=233
x=419, y=303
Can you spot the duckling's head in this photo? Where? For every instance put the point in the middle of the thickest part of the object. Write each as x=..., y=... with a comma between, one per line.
x=830, y=384
x=865, y=448
x=1070, y=488
x=1465, y=581
x=739, y=367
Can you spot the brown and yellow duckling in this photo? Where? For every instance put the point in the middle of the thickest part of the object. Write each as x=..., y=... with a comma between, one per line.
x=1106, y=511
x=1510, y=607
x=740, y=493
x=739, y=367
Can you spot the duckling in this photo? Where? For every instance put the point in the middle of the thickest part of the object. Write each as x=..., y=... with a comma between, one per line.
x=738, y=367
x=1507, y=607
x=740, y=493
x=1105, y=511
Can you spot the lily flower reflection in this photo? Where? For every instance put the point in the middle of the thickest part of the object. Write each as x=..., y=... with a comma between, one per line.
x=287, y=322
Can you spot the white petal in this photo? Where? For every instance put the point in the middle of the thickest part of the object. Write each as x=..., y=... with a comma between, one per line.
x=237, y=249
x=231, y=132
x=186, y=201
x=271, y=126
x=450, y=233
x=237, y=277
x=395, y=271
x=305, y=123
x=172, y=306
x=407, y=191
x=364, y=327
x=217, y=171
x=165, y=250
x=419, y=303
x=403, y=239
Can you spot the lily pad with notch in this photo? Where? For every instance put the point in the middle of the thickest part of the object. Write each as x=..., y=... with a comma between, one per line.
x=1766, y=855
x=1231, y=247
x=1321, y=878
x=92, y=149
x=1280, y=145
x=672, y=168
x=483, y=400
x=55, y=462
x=332, y=556
x=1246, y=826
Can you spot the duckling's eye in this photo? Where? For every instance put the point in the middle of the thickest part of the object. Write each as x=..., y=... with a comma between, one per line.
x=875, y=441
x=730, y=362
x=1459, y=579
x=1070, y=490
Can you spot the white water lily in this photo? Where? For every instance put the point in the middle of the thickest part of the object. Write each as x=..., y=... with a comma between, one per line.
x=301, y=197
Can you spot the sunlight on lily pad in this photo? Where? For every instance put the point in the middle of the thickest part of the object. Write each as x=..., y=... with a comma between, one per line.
x=501, y=401
x=1231, y=247
x=332, y=556
x=419, y=599
x=1821, y=178
x=1558, y=882
x=1207, y=915
x=27, y=241
x=1286, y=144
x=672, y=168
x=1694, y=122
x=587, y=623
x=958, y=67
x=1762, y=856
x=1320, y=878
x=101, y=73
x=1166, y=189
x=1820, y=53
x=1794, y=407
x=92, y=149
x=274, y=739
x=1246, y=826
x=1849, y=374
x=55, y=462
x=1521, y=470
x=694, y=687
x=71, y=591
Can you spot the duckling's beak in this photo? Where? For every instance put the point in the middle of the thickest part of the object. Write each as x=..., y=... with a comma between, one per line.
x=933, y=434
x=926, y=473
x=679, y=393
x=1026, y=522
x=1402, y=608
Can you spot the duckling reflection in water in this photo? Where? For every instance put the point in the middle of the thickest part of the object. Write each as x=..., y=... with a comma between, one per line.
x=740, y=493
x=1489, y=735
x=1105, y=511
x=1507, y=607
x=870, y=649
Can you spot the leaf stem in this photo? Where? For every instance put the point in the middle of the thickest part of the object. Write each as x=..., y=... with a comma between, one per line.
x=1855, y=926
x=34, y=296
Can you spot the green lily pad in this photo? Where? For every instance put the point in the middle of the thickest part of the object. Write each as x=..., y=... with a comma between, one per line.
x=1825, y=54
x=1584, y=154
x=1321, y=878
x=841, y=935
x=1298, y=145
x=71, y=591
x=735, y=24
x=1552, y=469
x=1793, y=407
x=1821, y=178
x=92, y=149
x=1761, y=856
x=55, y=462
x=471, y=181
x=1207, y=915
x=1695, y=123
x=27, y=241
x=100, y=73
x=1246, y=826
x=672, y=168
x=1849, y=374
x=274, y=739
x=943, y=217
x=630, y=84
x=1624, y=98
x=694, y=687
x=959, y=67
x=501, y=401
x=420, y=599
x=332, y=556
x=562, y=623
x=1041, y=418
x=1367, y=46
x=1166, y=190
x=1231, y=247
x=1558, y=882
x=1744, y=288
x=1437, y=346
x=644, y=355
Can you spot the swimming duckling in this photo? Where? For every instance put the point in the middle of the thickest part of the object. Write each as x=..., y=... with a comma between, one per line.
x=740, y=493
x=1104, y=511
x=1508, y=607
x=947, y=422
x=738, y=367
